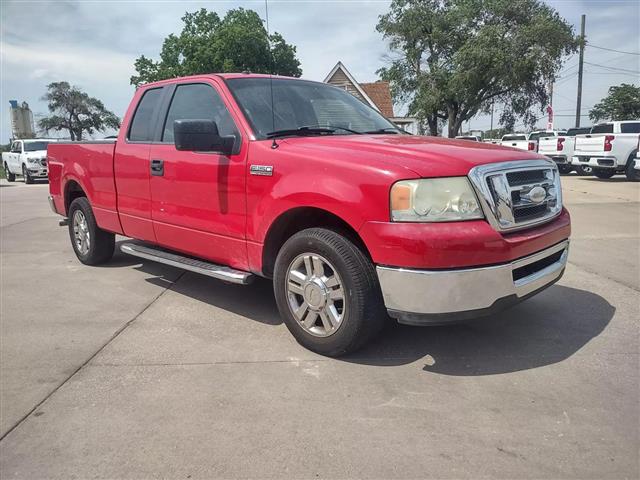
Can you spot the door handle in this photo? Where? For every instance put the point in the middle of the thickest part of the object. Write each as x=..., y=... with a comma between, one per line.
x=157, y=168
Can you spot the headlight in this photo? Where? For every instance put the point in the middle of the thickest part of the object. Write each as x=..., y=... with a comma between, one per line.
x=33, y=160
x=434, y=200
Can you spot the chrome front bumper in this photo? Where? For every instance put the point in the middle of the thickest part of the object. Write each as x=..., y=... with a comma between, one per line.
x=436, y=296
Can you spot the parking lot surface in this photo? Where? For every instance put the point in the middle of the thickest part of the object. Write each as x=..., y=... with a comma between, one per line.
x=136, y=370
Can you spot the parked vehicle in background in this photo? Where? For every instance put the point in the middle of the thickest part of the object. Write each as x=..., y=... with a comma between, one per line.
x=609, y=148
x=519, y=141
x=560, y=149
x=353, y=220
x=493, y=141
x=473, y=138
x=28, y=158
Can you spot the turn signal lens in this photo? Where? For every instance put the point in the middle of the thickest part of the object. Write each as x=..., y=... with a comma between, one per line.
x=400, y=197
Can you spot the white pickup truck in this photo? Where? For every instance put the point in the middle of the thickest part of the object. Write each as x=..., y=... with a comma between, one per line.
x=27, y=158
x=610, y=148
x=560, y=150
x=526, y=142
x=517, y=140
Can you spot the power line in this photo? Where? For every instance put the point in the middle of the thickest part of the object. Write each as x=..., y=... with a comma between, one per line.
x=612, y=68
x=612, y=50
x=635, y=75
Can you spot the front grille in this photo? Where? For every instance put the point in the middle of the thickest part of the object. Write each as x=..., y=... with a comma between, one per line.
x=518, y=194
x=524, y=177
x=534, y=267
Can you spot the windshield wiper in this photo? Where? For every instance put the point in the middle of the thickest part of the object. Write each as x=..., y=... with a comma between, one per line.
x=391, y=130
x=300, y=131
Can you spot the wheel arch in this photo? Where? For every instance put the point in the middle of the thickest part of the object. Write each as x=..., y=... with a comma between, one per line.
x=72, y=190
x=296, y=219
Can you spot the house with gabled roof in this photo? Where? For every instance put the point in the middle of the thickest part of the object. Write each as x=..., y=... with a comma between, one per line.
x=376, y=94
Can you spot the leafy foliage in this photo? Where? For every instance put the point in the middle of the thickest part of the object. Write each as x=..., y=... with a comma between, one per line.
x=207, y=44
x=73, y=110
x=622, y=103
x=451, y=59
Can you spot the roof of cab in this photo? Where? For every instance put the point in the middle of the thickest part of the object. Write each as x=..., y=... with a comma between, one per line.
x=225, y=76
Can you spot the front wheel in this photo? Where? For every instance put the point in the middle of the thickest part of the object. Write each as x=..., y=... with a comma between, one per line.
x=91, y=244
x=25, y=175
x=327, y=292
x=11, y=177
x=604, y=173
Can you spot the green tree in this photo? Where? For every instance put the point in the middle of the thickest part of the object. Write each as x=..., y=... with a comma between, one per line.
x=451, y=59
x=207, y=44
x=73, y=110
x=622, y=103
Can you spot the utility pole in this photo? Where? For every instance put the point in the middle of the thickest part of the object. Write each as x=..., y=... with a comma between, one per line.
x=492, y=105
x=582, y=42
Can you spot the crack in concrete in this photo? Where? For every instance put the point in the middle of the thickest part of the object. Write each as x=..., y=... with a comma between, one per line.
x=86, y=362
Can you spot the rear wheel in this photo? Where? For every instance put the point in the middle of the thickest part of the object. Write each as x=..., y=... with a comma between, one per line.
x=91, y=244
x=25, y=175
x=632, y=174
x=327, y=292
x=11, y=177
x=604, y=173
x=564, y=169
x=584, y=170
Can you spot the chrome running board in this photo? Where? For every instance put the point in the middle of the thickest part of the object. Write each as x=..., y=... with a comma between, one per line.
x=220, y=272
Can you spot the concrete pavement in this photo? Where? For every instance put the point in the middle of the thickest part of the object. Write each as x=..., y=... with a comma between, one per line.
x=137, y=370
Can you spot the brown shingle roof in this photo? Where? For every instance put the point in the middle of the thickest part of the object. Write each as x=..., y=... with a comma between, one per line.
x=381, y=95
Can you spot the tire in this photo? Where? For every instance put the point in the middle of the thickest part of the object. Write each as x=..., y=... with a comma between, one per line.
x=98, y=247
x=25, y=175
x=11, y=177
x=584, y=171
x=358, y=315
x=564, y=169
x=632, y=174
x=604, y=173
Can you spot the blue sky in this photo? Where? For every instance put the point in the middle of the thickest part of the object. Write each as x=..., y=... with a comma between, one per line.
x=93, y=44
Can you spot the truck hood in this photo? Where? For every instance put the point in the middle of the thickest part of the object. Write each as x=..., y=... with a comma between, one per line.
x=36, y=154
x=426, y=156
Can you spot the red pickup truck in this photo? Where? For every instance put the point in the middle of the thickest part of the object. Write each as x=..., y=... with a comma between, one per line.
x=239, y=175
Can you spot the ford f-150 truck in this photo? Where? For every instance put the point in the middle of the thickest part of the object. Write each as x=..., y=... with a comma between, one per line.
x=610, y=148
x=26, y=157
x=242, y=175
x=560, y=150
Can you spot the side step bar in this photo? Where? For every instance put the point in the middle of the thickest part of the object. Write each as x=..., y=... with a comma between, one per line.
x=220, y=272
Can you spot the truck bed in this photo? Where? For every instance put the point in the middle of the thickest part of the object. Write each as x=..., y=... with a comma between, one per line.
x=91, y=165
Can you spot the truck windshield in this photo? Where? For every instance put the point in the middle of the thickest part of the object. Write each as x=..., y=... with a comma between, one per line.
x=572, y=132
x=299, y=105
x=35, y=146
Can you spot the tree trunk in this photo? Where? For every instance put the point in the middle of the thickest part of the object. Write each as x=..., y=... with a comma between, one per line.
x=433, y=125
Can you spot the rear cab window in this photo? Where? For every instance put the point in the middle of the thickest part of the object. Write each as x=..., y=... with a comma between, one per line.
x=509, y=138
x=145, y=116
x=603, y=128
x=630, y=127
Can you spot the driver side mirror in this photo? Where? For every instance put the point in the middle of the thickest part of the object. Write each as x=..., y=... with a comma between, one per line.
x=201, y=136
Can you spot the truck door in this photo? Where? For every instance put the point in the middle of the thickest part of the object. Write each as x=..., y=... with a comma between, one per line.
x=198, y=198
x=131, y=165
x=14, y=158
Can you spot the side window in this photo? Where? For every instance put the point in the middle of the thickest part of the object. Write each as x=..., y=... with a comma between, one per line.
x=201, y=102
x=17, y=147
x=141, y=129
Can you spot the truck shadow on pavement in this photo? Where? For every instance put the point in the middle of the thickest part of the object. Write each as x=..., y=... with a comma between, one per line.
x=543, y=330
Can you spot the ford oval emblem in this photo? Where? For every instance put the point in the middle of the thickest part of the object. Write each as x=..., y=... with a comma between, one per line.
x=537, y=194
